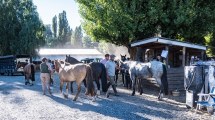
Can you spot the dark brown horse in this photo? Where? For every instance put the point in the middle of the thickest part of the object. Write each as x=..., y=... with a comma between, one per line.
x=29, y=72
x=78, y=72
x=98, y=71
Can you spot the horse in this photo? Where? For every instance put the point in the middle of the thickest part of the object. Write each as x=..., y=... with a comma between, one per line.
x=155, y=69
x=77, y=73
x=29, y=73
x=98, y=70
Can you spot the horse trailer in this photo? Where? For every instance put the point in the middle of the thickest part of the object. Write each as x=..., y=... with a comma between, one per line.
x=11, y=64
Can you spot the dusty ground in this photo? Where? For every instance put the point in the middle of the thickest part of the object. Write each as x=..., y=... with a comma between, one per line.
x=19, y=102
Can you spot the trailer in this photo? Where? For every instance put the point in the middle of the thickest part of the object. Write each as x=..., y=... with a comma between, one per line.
x=12, y=64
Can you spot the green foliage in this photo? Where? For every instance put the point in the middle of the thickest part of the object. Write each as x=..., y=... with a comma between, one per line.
x=21, y=29
x=123, y=21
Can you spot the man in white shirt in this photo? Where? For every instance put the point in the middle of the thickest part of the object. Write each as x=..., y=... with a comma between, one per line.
x=110, y=69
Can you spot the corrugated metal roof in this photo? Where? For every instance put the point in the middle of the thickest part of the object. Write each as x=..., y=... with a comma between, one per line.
x=69, y=52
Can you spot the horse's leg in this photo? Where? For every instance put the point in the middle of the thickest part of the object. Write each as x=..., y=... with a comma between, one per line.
x=138, y=84
x=67, y=90
x=116, y=77
x=141, y=86
x=79, y=89
x=161, y=88
x=71, y=87
x=123, y=78
x=98, y=86
x=61, y=86
x=133, y=78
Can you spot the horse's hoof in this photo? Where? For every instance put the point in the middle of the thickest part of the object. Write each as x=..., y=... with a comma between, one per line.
x=94, y=99
x=141, y=93
x=107, y=95
x=65, y=96
x=74, y=99
x=98, y=92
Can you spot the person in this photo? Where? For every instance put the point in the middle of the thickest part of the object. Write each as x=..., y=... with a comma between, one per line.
x=116, y=72
x=159, y=58
x=45, y=76
x=51, y=71
x=110, y=69
x=105, y=59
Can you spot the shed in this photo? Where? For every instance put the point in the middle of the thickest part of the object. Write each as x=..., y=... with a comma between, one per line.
x=178, y=53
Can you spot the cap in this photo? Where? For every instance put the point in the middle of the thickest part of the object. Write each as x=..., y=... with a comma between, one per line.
x=112, y=56
x=43, y=59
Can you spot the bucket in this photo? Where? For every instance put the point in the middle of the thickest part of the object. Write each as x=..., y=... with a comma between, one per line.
x=189, y=99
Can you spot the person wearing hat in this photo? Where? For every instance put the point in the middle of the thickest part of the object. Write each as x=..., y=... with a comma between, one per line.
x=45, y=76
x=110, y=68
x=106, y=59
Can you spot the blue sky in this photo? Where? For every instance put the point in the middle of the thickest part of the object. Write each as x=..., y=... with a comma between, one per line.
x=47, y=9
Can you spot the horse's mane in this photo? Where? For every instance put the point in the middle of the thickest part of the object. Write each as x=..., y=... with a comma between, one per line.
x=71, y=60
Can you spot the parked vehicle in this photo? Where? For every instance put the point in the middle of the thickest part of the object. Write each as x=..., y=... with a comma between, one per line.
x=89, y=60
x=11, y=64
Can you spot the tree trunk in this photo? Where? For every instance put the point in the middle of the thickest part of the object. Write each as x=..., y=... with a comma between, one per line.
x=139, y=54
x=132, y=52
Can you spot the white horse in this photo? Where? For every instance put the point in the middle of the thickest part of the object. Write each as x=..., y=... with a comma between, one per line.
x=139, y=70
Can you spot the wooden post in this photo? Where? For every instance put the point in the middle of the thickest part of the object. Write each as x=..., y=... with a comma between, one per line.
x=183, y=56
x=167, y=57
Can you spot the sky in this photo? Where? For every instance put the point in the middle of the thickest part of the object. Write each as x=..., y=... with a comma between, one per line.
x=47, y=9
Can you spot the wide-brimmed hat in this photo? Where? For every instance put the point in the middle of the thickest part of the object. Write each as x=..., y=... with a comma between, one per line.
x=112, y=56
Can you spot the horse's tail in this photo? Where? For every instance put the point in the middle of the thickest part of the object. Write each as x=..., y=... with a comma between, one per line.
x=32, y=73
x=104, y=78
x=164, y=80
x=89, y=82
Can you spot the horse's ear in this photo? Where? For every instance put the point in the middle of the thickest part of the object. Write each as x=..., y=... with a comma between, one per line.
x=125, y=55
x=120, y=55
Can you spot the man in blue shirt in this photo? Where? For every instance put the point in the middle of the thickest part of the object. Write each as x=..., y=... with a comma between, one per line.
x=110, y=68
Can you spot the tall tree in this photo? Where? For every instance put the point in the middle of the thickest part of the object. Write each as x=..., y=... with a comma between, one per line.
x=54, y=26
x=87, y=42
x=76, y=39
x=123, y=21
x=21, y=29
x=63, y=28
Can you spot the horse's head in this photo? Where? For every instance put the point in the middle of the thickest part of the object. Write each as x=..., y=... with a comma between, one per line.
x=71, y=60
x=123, y=58
x=123, y=65
x=57, y=65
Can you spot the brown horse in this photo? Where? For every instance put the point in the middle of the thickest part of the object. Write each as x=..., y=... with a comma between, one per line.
x=29, y=72
x=78, y=73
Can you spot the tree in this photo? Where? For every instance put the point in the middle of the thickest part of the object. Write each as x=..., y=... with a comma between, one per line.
x=63, y=28
x=76, y=39
x=87, y=42
x=21, y=29
x=123, y=21
x=54, y=26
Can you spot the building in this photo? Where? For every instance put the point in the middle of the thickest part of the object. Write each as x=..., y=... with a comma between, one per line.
x=61, y=54
x=176, y=55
